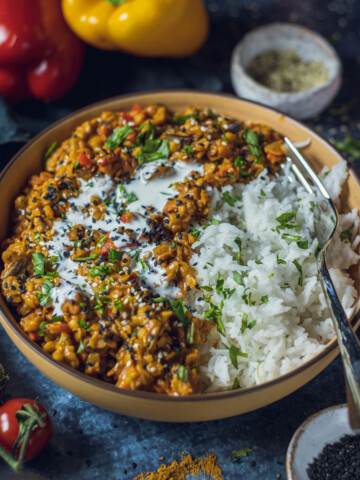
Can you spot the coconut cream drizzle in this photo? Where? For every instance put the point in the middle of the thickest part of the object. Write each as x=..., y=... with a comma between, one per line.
x=145, y=190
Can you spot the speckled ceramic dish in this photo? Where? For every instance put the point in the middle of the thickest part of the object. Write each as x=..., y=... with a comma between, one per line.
x=143, y=404
x=326, y=426
x=309, y=46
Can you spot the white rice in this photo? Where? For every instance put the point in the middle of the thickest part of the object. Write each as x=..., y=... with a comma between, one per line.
x=290, y=322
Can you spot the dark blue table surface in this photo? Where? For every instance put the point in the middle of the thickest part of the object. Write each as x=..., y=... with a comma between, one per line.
x=92, y=444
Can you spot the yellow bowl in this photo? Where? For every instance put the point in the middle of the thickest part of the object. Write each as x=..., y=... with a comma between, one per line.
x=143, y=404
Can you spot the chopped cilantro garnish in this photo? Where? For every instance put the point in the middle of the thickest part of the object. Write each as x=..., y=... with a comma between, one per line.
x=143, y=264
x=41, y=329
x=44, y=295
x=39, y=263
x=229, y=199
x=182, y=373
x=312, y=205
x=286, y=217
x=118, y=136
x=241, y=453
x=233, y=354
x=265, y=299
x=279, y=261
x=304, y=244
x=83, y=259
x=154, y=149
x=317, y=250
x=99, y=271
x=271, y=275
x=83, y=323
x=37, y=236
x=118, y=304
x=50, y=150
x=81, y=346
x=291, y=238
x=102, y=240
x=188, y=149
x=299, y=268
x=114, y=255
x=239, y=244
x=346, y=234
x=238, y=278
x=190, y=334
x=214, y=313
x=236, y=384
x=180, y=311
x=252, y=140
x=262, y=193
x=130, y=197
x=181, y=119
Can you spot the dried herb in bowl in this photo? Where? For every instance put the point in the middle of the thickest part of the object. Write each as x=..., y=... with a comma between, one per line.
x=286, y=71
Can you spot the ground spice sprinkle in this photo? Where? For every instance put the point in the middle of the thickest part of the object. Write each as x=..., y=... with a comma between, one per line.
x=205, y=465
x=340, y=461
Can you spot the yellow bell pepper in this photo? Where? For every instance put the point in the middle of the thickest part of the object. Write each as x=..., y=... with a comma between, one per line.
x=151, y=28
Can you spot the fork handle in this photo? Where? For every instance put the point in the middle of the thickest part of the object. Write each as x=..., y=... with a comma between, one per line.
x=349, y=347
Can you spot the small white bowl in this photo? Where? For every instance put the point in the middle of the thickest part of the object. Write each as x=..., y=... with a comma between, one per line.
x=309, y=46
x=326, y=426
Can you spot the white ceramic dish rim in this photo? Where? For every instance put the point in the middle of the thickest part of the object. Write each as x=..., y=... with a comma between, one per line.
x=294, y=442
x=15, y=327
x=236, y=60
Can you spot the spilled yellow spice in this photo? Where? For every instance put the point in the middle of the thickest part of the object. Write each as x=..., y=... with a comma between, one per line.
x=205, y=465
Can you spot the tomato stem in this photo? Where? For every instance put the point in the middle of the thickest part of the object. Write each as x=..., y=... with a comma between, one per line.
x=29, y=418
x=14, y=464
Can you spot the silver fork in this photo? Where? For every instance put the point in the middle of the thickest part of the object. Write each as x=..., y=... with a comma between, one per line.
x=347, y=340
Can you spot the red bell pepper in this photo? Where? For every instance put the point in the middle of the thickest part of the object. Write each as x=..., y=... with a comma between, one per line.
x=39, y=55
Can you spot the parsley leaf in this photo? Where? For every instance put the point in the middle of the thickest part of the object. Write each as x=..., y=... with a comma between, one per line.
x=229, y=199
x=50, y=150
x=118, y=136
x=114, y=255
x=99, y=271
x=39, y=263
x=182, y=373
x=180, y=310
x=238, y=278
x=181, y=119
x=44, y=295
x=346, y=234
x=252, y=140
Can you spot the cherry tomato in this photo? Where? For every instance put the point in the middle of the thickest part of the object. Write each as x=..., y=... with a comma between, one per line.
x=126, y=116
x=84, y=160
x=9, y=428
x=108, y=245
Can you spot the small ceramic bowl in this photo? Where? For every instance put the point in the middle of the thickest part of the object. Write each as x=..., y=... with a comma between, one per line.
x=322, y=428
x=309, y=46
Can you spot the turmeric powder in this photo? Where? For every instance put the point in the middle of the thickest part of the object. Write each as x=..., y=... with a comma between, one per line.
x=205, y=465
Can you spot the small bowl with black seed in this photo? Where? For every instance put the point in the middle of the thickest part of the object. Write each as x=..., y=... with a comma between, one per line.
x=325, y=447
x=288, y=67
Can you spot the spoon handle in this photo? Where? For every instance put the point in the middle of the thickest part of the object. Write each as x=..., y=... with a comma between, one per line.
x=349, y=347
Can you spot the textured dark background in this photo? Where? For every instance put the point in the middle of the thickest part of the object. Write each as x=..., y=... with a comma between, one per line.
x=93, y=444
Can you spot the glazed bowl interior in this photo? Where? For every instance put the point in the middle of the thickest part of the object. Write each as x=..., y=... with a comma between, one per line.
x=29, y=161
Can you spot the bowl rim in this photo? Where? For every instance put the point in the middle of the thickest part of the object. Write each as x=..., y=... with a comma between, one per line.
x=299, y=432
x=12, y=323
x=238, y=66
